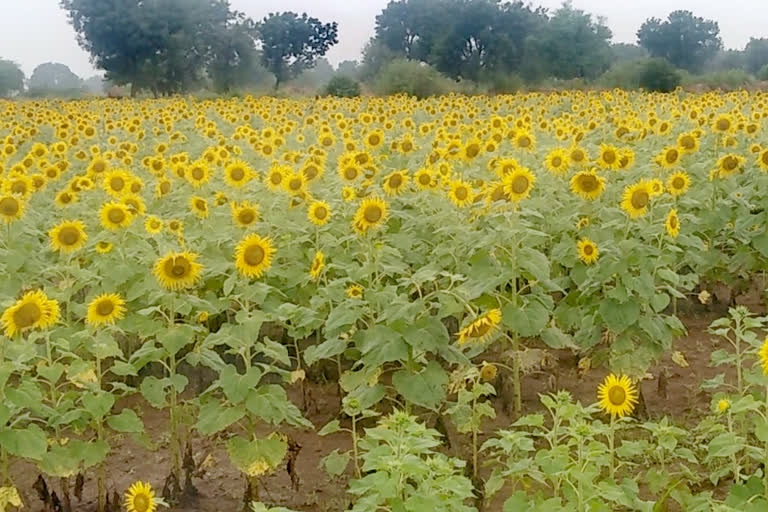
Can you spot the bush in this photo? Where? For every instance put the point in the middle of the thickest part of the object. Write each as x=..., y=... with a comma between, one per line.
x=728, y=80
x=413, y=78
x=763, y=73
x=658, y=75
x=623, y=75
x=343, y=86
x=498, y=82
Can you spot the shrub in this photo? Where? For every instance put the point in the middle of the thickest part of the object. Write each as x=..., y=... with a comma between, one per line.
x=658, y=75
x=413, y=78
x=763, y=73
x=498, y=82
x=343, y=86
x=728, y=80
x=623, y=75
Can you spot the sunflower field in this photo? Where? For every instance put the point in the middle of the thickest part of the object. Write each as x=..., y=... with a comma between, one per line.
x=217, y=264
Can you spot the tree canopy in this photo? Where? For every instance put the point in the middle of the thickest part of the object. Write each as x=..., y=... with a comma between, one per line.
x=291, y=43
x=53, y=77
x=11, y=78
x=685, y=40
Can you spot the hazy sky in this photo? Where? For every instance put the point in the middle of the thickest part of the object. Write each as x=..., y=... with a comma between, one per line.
x=36, y=31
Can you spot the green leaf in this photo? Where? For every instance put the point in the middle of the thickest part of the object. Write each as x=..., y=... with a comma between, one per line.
x=426, y=388
x=527, y=321
x=27, y=443
x=98, y=403
x=556, y=339
x=153, y=391
x=330, y=428
x=127, y=421
x=243, y=453
x=236, y=386
x=103, y=346
x=214, y=417
x=660, y=302
x=534, y=263
x=619, y=316
x=325, y=350
x=336, y=462
x=176, y=338
x=724, y=445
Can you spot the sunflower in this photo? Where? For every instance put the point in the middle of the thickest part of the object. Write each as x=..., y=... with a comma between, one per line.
x=318, y=264
x=176, y=227
x=319, y=213
x=117, y=183
x=460, y=193
x=672, y=223
x=115, y=216
x=295, y=184
x=153, y=225
x=578, y=156
x=470, y=150
x=424, y=179
x=656, y=186
x=488, y=371
x=199, y=206
x=178, y=270
x=395, y=183
x=198, y=173
x=678, y=184
x=355, y=291
x=588, y=185
x=253, y=255
x=670, y=157
x=524, y=140
x=609, y=157
x=21, y=186
x=688, y=143
x=617, y=396
x=238, y=173
x=135, y=204
x=764, y=356
x=104, y=247
x=762, y=160
x=481, y=329
x=275, y=177
x=140, y=498
x=557, y=161
x=626, y=158
x=106, y=309
x=245, y=214
x=34, y=310
x=730, y=164
x=519, y=183
x=371, y=213
x=11, y=208
x=374, y=139
x=723, y=123
x=68, y=236
x=637, y=198
x=588, y=251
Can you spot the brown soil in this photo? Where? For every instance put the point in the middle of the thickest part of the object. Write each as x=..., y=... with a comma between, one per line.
x=221, y=488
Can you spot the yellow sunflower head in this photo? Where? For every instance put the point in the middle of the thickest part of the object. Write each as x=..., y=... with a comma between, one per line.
x=140, y=498
x=199, y=206
x=460, y=193
x=637, y=199
x=245, y=214
x=558, y=161
x=104, y=247
x=678, y=184
x=395, y=183
x=253, y=256
x=617, y=396
x=764, y=356
x=115, y=216
x=588, y=185
x=198, y=173
x=609, y=157
x=519, y=183
x=68, y=236
x=105, y=309
x=317, y=266
x=34, y=310
x=481, y=329
x=153, y=225
x=178, y=270
x=355, y=291
x=319, y=213
x=11, y=208
x=672, y=223
x=588, y=251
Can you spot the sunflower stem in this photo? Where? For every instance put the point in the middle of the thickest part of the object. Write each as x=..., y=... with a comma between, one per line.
x=765, y=448
x=101, y=477
x=612, y=446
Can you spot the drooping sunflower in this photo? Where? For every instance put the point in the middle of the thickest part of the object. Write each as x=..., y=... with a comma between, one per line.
x=11, y=208
x=609, y=157
x=481, y=329
x=460, y=193
x=519, y=183
x=672, y=223
x=253, y=255
x=199, y=206
x=153, y=225
x=68, y=236
x=488, y=371
x=176, y=227
x=178, y=270
x=558, y=161
x=355, y=291
x=617, y=395
x=588, y=185
x=636, y=199
x=318, y=264
x=115, y=216
x=730, y=164
x=762, y=160
x=319, y=213
x=140, y=498
x=106, y=309
x=34, y=310
x=395, y=183
x=238, y=174
x=245, y=214
x=104, y=247
x=371, y=213
x=678, y=184
x=588, y=251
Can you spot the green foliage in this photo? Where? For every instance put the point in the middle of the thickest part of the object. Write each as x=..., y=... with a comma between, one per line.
x=658, y=75
x=756, y=54
x=627, y=52
x=624, y=74
x=406, y=472
x=413, y=78
x=54, y=79
x=291, y=43
x=343, y=86
x=11, y=78
x=727, y=80
x=763, y=73
x=685, y=40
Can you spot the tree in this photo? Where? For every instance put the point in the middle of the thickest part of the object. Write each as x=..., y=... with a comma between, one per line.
x=570, y=45
x=685, y=40
x=95, y=85
x=291, y=43
x=410, y=28
x=236, y=62
x=756, y=54
x=11, y=78
x=349, y=68
x=52, y=78
x=627, y=52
